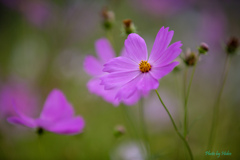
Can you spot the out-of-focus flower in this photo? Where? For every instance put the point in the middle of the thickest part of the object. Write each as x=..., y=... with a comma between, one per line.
x=25, y=99
x=232, y=45
x=57, y=116
x=119, y=130
x=94, y=66
x=108, y=18
x=37, y=12
x=160, y=7
x=212, y=26
x=129, y=151
x=135, y=72
x=190, y=58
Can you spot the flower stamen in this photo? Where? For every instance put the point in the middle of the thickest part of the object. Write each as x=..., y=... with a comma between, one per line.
x=144, y=66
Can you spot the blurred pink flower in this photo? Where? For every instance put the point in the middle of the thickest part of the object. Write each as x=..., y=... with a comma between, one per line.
x=212, y=26
x=160, y=7
x=94, y=66
x=135, y=72
x=57, y=116
x=25, y=99
x=37, y=12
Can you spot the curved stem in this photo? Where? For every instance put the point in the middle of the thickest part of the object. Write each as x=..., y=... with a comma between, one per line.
x=216, y=106
x=186, y=103
x=175, y=127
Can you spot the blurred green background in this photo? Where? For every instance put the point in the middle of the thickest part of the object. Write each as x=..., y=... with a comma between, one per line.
x=43, y=45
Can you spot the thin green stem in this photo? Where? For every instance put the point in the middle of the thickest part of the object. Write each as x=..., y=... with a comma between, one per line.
x=186, y=102
x=175, y=127
x=40, y=147
x=185, y=83
x=130, y=122
x=217, y=104
x=144, y=129
x=110, y=38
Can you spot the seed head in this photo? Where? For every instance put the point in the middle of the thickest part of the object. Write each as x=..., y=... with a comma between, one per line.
x=232, y=45
x=108, y=18
x=128, y=26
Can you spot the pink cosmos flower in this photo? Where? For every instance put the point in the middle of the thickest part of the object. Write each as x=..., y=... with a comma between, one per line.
x=25, y=98
x=57, y=116
x=94, y=66
x=136, y=72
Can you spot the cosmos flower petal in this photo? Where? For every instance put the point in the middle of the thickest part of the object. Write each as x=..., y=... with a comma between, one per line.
x=148, y=82
x=56, y=107
x=128, y=89
x=92, y=66
x=171, y=53
x=161, y=43
x=104, y=50
x=21, y=119
x=116, y=79
x=123, y=52
x=26, y=121
x=68, y=126
x=57, y=116
x=148, y=72
x=120, y=64
x=136, y=44
x=133, y=99
x=159, y=72
x=94, y=86
x=108, y=95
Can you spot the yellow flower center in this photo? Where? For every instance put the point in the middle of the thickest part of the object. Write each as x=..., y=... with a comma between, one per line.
x=144, y=66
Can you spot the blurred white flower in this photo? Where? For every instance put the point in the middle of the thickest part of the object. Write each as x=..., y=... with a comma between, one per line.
x=129, y=150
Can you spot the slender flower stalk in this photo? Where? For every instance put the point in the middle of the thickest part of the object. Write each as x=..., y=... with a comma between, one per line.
x=186, y=102
x=129, y=120
x=144, y=129
x=40, y=147
x=185, y=83
x=215, y=117
x=175, y=127
x=191, y=60
x=110, y=37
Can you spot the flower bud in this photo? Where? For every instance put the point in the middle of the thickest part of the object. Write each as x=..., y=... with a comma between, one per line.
x=232, y=45
x=128, y=26
x=119, y=131
x=108, y=18
x=190, y=58
x=203, y=48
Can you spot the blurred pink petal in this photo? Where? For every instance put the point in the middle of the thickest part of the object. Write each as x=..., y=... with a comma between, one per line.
x=57, y=116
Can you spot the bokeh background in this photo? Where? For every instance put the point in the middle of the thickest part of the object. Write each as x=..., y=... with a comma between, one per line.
x=43, y=44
